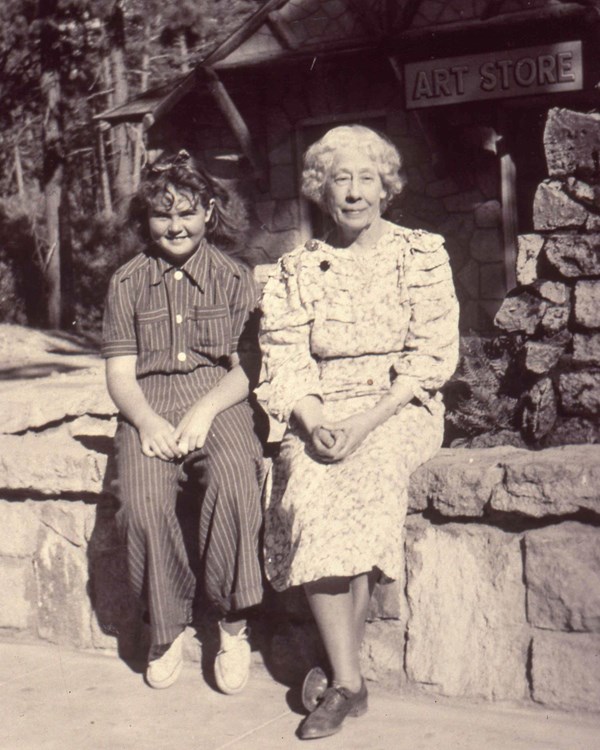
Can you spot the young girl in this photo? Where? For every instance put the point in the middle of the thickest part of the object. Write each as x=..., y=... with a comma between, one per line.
x=179, y=342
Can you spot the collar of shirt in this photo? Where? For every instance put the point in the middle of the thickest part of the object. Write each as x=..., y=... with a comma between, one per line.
x=196, y=266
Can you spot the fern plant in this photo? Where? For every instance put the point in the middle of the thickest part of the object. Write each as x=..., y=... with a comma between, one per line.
x=477, y=397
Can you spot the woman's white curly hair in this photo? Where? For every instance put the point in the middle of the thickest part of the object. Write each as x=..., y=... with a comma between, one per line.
x=319, y=158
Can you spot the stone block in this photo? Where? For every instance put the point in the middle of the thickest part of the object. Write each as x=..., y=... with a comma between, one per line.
x=270, y=246
x=467, y=631
x=582, y=192
x=116, y=619
x=19, y=527
x=555, y=319
x=61, y=464
x=586, y=348
x=50, y=400
x=562, y=574
x=468, y=278
x=92, y=427
x=487, y=180
x=282, y=182
x=554, y=482
x=382, y=652
x=286, y=216
x=263, y=210
x=442, y=188
x=459, y=482
x=580, y=392
x=573, y=431
x=388, y=602
x=574, y=255
x=587, y=303
x=64, y=612
x=553, y=291
x=529, y=248
x=485, y=245
x=565, y=670
x=492, y=284
x=17, y=594
x=521, y=313
x=539, y=411
x=463, y=202
x=571, y=143
x=540, y=357
x=488, y=214
x=554, y=209
x=592, y=223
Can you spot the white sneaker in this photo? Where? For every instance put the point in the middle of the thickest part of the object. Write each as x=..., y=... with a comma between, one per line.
x=232, y=665
x=164, y=671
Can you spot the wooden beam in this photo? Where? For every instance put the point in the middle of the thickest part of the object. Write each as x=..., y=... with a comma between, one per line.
x=366, y=14
x=243, y=33
x=282, y=31
x=508, y=199
x=407, y=14
x=236, y=122
x=492, y=8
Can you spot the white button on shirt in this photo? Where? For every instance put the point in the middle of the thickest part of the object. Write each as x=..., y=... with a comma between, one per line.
x=179, y=318
x=178, y=275
x=182, y=356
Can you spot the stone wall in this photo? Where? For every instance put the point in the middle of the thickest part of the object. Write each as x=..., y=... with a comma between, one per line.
x=501, y=595
x=553, y=317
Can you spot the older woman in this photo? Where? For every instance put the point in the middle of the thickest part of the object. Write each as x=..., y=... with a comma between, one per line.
x=359, y=332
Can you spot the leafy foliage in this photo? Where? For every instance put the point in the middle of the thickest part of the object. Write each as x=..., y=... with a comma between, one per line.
x=478, y=397
x=101, y=52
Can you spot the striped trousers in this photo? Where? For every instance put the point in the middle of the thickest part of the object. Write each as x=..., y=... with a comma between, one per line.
x=167, y=559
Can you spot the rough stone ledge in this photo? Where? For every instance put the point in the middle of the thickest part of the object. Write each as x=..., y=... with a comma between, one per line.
x=458, y=483
x=469, y=483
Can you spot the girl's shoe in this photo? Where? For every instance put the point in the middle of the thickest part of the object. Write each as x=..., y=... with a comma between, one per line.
x=163, y=671
x=337, y=703
x=232, y=665
x=314, y=686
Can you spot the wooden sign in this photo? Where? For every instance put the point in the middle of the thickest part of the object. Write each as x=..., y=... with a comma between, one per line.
x=496, y=75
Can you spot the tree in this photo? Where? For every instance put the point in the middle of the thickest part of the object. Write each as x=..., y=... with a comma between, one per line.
x=53, y=151
x=62, y=62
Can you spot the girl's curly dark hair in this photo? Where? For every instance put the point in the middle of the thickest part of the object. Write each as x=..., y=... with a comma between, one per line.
x=228, y=220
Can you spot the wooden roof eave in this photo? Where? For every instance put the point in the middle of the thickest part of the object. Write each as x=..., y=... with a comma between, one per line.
x=146, y=108
x=245, y=31
x=410, y=41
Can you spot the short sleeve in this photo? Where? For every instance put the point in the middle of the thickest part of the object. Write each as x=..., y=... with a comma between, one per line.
x=118, y=325
x=430, y=352
x=289, y=372
x=245, y=313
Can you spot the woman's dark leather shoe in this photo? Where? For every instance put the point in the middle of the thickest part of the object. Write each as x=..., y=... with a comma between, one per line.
x=314, y=686
x=327, y=718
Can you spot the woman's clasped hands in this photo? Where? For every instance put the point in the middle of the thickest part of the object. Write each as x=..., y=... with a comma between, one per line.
x=335, y=441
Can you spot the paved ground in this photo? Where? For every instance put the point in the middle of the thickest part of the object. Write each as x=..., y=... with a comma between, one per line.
x=51, y=699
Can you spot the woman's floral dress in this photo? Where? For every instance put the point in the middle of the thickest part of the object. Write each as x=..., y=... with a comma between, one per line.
x=342, y=326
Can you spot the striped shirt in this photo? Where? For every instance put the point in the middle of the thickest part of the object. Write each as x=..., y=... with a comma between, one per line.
x=182, y=322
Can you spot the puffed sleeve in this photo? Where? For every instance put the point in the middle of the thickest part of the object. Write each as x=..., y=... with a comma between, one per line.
x=289, y=372
x=430, y=351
